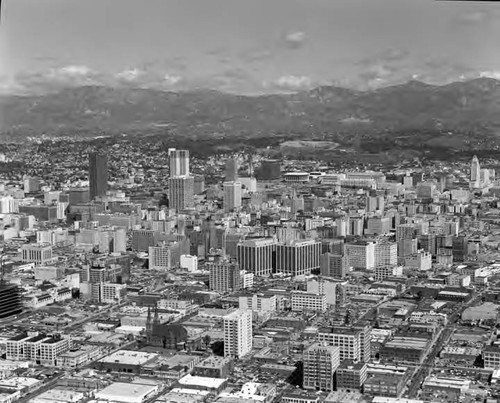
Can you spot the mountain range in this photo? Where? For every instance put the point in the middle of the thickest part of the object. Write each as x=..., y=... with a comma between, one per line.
x=471, y=106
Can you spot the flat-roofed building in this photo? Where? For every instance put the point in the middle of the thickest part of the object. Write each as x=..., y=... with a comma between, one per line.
x=298, y=257
x=436, y=388
x=257, y=256
x=320, y=364
x=215, y=367
x=302, y=300
x=351, y=375
x=258, y=302
x=214, y=385
x=238, y=333
x=403, y=349
x=361, y=255
x=300, y=397
x=121, y=392
x=349, y=341
x=125, y=361
x=491, y=356
x=40, y=254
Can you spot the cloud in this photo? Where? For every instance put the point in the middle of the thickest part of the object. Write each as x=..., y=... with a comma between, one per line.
x=290, y=83
x=490, y=74
x=295, y=39
x=171, y=79
x=56, y=78
x=130, y=74
x=74, y=71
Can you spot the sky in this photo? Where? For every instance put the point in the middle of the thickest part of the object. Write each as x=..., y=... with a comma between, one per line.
x=245, y=46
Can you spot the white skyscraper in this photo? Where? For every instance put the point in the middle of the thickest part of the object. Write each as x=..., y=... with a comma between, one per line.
x=238, y=333
x=160, y=258
x=232, y=196
x=475, y=170
x=179, y=162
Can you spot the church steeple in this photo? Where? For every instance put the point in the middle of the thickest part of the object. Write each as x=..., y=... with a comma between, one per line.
x=149, y=325
x=156, y=320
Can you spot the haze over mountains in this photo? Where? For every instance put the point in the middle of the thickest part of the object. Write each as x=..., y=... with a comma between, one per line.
x=470, y=105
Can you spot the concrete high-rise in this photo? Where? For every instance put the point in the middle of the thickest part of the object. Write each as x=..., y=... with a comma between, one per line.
x=231, y=174
x=257, y=256
x=320, y=364
x=232, y=196
x=181, y=192
x=98, y=175
x=10, y=299
x=353, y=342
x=298, y=257
x=475, y=170
x=238, y=333
x=332, y=265
x=160, y=258
x=178, y=162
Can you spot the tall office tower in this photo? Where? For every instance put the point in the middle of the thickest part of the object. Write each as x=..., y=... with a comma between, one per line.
x=320, y=364
x=31, y=185
x=257, y=256
x=232, y=196
x=231, y=174
x=405, y=231
x=374, y=203
x=361, y=255
x=10, y=299
x=120, y=240
x=269, y=170
x=98, y=175
x=356, y=226
x=298, y=257
x=407, y=247
x=181, y=192
x=378, y=225
x=226, y=276
x=142, y=239
x=353, y=342
x=178, y=162
x=475, y=170
x=427, y=242
x=426, y=190
x=159, y=258
x=237, y=333
x=332, y=265
x=460, y=248
x=199, y=184
x=365, y=345
x=386, y=254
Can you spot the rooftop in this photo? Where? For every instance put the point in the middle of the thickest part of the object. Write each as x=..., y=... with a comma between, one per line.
x=120, y=391
x=128, y=357
x=212, y=383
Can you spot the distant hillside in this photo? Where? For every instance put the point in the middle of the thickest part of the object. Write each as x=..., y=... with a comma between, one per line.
x=471, y=106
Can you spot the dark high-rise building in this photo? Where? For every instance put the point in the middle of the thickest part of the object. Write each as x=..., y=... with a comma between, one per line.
x=10, y=300
x=98, y=175
x=79, y=196
x=269, y=169
x=231, y=174
x=181, y=192
x=332, y=265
